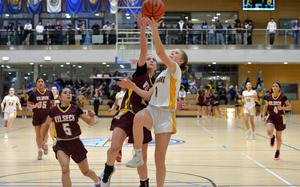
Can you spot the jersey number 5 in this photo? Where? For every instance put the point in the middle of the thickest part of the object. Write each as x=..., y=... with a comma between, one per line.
x=67, y=129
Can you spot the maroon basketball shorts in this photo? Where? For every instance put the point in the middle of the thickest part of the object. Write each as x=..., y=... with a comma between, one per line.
x=277, y=121
x=125, y=122
x=73, y=148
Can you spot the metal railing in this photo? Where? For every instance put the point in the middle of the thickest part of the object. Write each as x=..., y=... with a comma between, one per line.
x=168, y=36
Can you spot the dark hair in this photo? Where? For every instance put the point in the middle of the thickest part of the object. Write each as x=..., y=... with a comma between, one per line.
x=279, y=85
x=185, y=59
x=39, y=79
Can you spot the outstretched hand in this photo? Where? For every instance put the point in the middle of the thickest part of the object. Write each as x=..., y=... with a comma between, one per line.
x=152, y=23
x=141, y=21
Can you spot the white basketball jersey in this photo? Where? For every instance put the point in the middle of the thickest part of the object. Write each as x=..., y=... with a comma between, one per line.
x=10, y=103
x=248, y=97
x=166, y=89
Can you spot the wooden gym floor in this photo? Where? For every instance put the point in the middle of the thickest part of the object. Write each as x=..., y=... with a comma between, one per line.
x=215, y=152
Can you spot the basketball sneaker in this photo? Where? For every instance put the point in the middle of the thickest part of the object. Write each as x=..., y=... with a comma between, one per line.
x=277, y=155
x=106, y=176
x=252, y=136
x=5, y=136
x=45, y=149
x=40, y=155
x=144, y=183
x=137, y=159
x=97, y=185
x=248, y=134
x=272, y=141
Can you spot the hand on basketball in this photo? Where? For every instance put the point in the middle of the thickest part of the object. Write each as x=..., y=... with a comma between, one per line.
x=152, y=23
x=125, y=84
x=141, y=21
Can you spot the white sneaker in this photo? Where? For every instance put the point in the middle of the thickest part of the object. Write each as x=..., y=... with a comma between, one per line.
x=252, y=136
x=102, y=184
x=137, y=159
x=45, y=149
x=5, y=136
x=40, y=155
x=248, y=134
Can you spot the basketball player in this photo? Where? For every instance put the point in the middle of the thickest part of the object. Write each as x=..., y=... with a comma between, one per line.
x=275, y=106
x=201, y=104
x=132, y=103
x=65, y=117
x=55, y=95
x=9, y=107
x=249, y=98
x=40, y=103
x=160, y=113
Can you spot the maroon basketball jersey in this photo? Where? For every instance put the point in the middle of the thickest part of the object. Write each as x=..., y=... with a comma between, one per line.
x=274, y=102
x=44, y=101
x=65, y=121
x=131, y=100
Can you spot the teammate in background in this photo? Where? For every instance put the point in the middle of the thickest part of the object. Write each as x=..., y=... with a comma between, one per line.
x=9, y=107
x=65, y=117
x=55, y=95
x=275, y=106
x=249, y=98
x=238, y=102
x=201, y=104
x=40, y=103
x=160, y=113
x=116, y=107
x=132, y=103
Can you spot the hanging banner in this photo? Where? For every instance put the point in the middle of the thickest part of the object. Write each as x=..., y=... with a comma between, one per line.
x=14, y=6
x=111, y=6
x=93, y=6
x=53, y=6
x=74, y=6
x=1, y=6
x=133, y=3
x=34, y=6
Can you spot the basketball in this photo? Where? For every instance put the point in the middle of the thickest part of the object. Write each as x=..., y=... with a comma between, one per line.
x=153, y=9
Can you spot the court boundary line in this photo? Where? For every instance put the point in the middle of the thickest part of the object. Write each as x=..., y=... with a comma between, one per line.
x=268, y=170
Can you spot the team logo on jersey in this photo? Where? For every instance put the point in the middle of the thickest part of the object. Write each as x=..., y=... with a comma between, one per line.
x=106, y=142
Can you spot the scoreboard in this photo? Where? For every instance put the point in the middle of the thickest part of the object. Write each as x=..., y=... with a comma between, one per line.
x=258, y=4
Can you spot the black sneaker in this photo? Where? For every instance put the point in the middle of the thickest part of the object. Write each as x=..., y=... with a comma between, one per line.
x=272, y=141
x=144, y=183
x=277, y=155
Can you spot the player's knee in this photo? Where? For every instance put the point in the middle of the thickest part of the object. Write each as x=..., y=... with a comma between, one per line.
x=114, y=149
x=65, y=170
x=86, y=172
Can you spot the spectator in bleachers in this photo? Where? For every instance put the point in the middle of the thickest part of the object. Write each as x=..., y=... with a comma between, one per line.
x=223, y=95
x=271, y=29
x=249, y=32
x=39, y=32
x=19, y=34
x=239, y=30
x=211, y=33
x=219, y=33
x=10, y=33
x=162, y=31
x=296, y=29
x=27, y=32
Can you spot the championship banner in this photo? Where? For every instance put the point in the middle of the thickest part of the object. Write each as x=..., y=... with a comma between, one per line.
x=93, y=6
x=34, y=6
x=111, y=6
x=1, y=6
x=74, y=6
x=53, y=6
x=133, y=3
x=14, y=6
